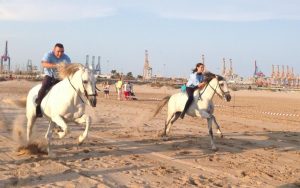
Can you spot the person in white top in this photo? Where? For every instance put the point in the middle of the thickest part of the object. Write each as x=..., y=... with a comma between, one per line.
x=126, y=89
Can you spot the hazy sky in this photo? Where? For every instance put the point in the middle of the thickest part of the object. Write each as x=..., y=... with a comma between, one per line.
x=175, y=33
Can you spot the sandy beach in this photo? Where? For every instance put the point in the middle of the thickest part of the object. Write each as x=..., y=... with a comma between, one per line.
x=260, y=148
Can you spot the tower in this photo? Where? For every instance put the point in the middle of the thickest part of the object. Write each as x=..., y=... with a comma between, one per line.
x=29, y=67
x=98, y=66
x=255, y=68
x=292, y=73
x=5, y=58
x=147, y=72
x=282, y=72
x=287, y=72
x=203, y=59
x=87, y=61
x=231, y=69
x=93, y=63
x=273, y=72
x=224, y=67
x=277, y=72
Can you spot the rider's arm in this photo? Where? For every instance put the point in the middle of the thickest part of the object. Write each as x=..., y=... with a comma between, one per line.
x=46, y=64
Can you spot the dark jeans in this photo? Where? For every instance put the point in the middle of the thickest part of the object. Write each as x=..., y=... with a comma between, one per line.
x=190, y=92
x=47, y=83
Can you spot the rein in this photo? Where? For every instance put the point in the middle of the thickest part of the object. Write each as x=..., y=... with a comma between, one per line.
x=215, y=89
x=223, y=92
x=75, y=90
x=200, y=93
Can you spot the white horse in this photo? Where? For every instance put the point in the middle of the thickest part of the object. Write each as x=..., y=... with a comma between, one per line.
x=202, y=105
x=65, y=102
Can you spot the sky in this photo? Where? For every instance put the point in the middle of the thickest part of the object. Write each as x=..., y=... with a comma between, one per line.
x=176, y=33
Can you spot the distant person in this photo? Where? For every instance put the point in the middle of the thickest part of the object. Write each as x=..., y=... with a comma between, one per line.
x=119, y=85
x=127, y=90
x=132, y=95
x=106, y=90
x=50, y=61
x=131, y=89
x=195, y=81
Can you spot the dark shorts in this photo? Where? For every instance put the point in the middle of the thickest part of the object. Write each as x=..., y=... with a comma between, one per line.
x=106, y=92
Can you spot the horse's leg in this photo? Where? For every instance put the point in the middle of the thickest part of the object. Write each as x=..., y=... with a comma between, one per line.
x=209, y=124
x=60, y=122
x=48, y=137
x=210, y=110
x=217, y=126
x=30, y=124
x=175, y=117
x=87, y=120
x=169, y=122
x=209, y=117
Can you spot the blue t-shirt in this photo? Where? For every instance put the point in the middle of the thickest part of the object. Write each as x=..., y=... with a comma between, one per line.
x=51, y=58
x=195, y=79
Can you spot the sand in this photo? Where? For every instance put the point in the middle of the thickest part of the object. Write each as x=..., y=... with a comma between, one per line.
x=260, y=148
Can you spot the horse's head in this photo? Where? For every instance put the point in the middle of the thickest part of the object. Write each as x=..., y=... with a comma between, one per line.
x=89, y=86
x=222, y=89
x=219, y=85
x=82, y=80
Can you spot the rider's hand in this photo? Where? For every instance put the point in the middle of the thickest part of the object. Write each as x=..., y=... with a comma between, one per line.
x=201, y=85
x=60, y=65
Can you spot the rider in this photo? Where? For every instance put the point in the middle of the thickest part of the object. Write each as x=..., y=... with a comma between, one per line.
x=50, y=62
x=195, y=81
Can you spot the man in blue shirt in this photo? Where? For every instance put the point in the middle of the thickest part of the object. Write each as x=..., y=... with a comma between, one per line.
x=50, y=62
x=195, y=81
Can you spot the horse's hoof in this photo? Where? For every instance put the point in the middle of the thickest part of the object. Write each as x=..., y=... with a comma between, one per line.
x=61, y=134
x=51, y=155
x=81, y=139
x=214, y=148
x=57, y=129
x=165, y=138
x=220, y=133
x=163, y=134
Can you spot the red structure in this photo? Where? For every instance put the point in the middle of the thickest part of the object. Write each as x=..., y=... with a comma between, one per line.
x=5, y=58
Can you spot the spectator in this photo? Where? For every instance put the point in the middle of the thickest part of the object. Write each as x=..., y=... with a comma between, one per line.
x=119, y=84
x=106, y=90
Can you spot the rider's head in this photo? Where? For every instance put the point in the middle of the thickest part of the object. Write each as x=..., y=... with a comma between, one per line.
x=199, y=68
x=58, y=50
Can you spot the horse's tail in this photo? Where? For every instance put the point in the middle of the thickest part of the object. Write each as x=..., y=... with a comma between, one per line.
x=161, y=105
x=19, y=102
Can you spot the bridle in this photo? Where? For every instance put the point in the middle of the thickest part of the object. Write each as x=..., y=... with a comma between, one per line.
x=214, y=89
x=85, y=91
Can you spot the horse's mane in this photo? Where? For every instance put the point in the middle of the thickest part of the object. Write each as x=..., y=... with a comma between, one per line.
x=65, y=70
x=208, y=76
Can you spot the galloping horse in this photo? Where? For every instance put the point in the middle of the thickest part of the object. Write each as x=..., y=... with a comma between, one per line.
x=202, y=105
x=65, y=102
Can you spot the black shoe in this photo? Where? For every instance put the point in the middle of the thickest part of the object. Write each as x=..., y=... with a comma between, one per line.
x=38, y=111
